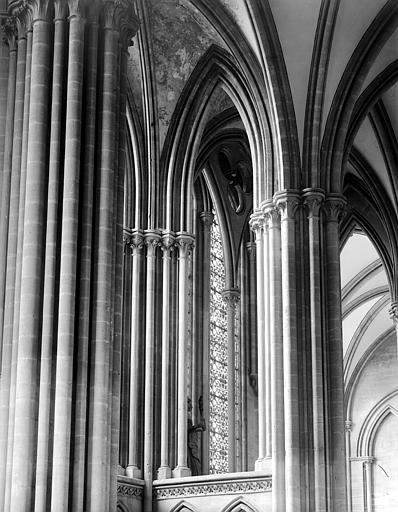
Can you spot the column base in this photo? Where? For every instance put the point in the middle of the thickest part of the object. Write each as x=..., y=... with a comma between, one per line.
x=133, y=472
x=264, y=464
x=121, y=470
x=164, y=472
x=180, y=471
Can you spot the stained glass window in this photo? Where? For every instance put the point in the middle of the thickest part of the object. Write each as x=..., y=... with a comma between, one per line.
x=218, y=411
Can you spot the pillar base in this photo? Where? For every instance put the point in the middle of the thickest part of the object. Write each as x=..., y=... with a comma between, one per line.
x=121, y=470
x=180, y=471
x=264, y=464
x=133, y=472
x=164, y=472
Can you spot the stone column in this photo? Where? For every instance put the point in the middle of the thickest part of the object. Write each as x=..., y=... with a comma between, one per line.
x=48, y=344
x=10, y=30
x=86, y=258
x=257, y=225
x=23, y=470
x=17, y=294
x=133, y=469
x=313, y=200
x=287, y=203
x=68, y=265
x=348, y=427
x=368, y=484
x=184, y=243
x=334, y=208
x=152, y=241
x=10, y=195
x=231, y=297
x=253, y=349
x=277, y=369
x=206, y=219
x=164, y=470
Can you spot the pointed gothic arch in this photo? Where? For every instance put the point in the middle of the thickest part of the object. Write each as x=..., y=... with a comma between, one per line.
x=183, y=506
x=239, y=504
x=186, y=127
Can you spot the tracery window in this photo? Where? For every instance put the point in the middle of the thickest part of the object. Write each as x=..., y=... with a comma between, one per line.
x=218, y=395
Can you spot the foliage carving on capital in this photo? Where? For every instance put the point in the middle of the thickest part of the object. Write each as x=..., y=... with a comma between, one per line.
x=41, y=10
x=9, y=29
x=257, y=222
x=206, y=218
x=335, y=208
x=313, y=200
x=120, y=15
x=287, y=203
x=60, y=9
x=21, y=10
x=185, y=244
x=76, y=7
x=273, y=217
x=168, y=244
x=231, y=297
x=152, y=240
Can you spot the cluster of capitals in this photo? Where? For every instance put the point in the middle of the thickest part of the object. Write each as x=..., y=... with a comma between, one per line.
x=118, y=15
x=151, y=239
x=286, y=205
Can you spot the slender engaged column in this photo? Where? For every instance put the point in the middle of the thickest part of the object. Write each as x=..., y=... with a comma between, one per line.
x=164, y=470
x=184, y=243
x=102, y=319
x=11, y=249
x=68, y=266
x=85, y=266
x=314, y=199
x=348, y=428
x=257, y=225
x=10, y=30
x=133, y=469
x=287, y=204
x=368, y=497
x=334, y=209
x=231, y=297
x=276, y=341
x=23, y=470
x=50, y=261
x=15, y=331
x=206, y=219
x=152, y=241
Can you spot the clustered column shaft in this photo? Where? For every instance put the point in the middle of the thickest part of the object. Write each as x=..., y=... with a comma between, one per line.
x=72, y=54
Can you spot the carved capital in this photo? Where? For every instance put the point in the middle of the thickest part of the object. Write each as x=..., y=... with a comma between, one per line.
x=313, y=200
x=206, y=218
x=185, y=244
x=335, y=207
x=76, y=7
x=9, y=30
x=168, y=243
x=60, y=9
x=40, y=10
x=257, y=222
x=287, y=203
x=21, y=10
x=273, y=217
x=231, y=297
x=348, y=425
x=152, y=240
x=136, y=241
x=120, y=15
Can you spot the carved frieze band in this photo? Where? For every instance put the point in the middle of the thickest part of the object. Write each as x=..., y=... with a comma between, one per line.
x=130, y=491
x=208, y=489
